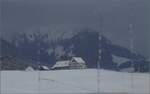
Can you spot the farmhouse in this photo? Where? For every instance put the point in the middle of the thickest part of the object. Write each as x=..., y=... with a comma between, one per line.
x=74, y=63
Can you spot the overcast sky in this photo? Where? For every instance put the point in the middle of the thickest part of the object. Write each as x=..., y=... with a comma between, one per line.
x=23, y=15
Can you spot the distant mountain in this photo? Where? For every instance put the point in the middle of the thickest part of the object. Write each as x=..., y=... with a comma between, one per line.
x=88, y=44
x=6, y=48
x=10, y=59
x=94, y=48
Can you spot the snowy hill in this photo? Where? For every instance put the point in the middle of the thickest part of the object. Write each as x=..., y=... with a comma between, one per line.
x=73, y=81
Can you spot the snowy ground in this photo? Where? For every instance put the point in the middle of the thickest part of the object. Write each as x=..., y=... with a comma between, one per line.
x=73, y=81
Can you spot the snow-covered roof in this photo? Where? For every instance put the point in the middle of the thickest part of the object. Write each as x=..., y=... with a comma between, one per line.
x=45, y=67
x=61, y=64
x=78, y=59
x=119, y=60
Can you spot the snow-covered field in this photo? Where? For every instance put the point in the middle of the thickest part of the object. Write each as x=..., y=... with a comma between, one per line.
x=73, y=81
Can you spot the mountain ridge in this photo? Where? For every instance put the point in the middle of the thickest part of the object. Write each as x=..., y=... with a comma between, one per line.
x=85, y=44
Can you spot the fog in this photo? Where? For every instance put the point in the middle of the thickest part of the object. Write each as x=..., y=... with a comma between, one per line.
x=24, y=15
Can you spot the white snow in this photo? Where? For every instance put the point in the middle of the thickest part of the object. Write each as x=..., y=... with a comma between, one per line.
x=45, y=67
x=29, y=69
x=59, y=51
x=119, y=60
x=79, y=60
x=49, y=51
x=64, y=63
x=73, y=81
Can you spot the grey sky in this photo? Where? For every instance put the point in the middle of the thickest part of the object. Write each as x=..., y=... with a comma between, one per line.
x=22, y=15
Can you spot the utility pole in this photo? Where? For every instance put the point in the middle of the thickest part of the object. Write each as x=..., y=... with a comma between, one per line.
x=99, y=52
x=39, y=79
x=132, y=51
x=38, y=64
x=99, y=67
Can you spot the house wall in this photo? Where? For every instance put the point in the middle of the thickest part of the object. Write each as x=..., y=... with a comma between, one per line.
x=76, y=65
x=61, y=68
x=72, y=65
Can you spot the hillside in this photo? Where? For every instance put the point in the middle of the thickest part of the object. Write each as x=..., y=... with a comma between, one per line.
x=16, y=63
